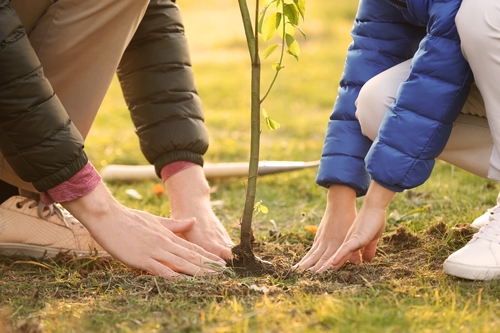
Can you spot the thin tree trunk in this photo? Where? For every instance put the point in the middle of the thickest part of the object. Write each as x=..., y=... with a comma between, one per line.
x=253, y=47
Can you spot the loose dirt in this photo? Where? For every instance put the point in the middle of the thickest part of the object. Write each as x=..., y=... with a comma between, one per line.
x=402, y=256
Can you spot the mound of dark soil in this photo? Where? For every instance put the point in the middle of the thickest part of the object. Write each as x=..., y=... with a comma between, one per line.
x=245, y=263
x=402, y=239
x=437, y=230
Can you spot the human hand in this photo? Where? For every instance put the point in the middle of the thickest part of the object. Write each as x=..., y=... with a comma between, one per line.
x=141, y=240
x=339, y=215
x=189, y=196
x=366, y=230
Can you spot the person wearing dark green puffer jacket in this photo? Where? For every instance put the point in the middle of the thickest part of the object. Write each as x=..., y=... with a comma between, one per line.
x=57, y=60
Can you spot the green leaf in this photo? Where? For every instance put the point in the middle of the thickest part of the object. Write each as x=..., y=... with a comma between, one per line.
x=270, y=25
x=261, y=20
x=276, y=66
x=301, y=5
x=260, y=208
x=300, y=30
x=289, y=29
x=292, y=13
x=262, y=14
x=293, y=55
x=293, y=46
x=270, y=50
x=289, y=40
x=272, y=124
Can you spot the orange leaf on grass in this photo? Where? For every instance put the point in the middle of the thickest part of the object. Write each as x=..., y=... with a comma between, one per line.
x=311, y=228
x=158, y=189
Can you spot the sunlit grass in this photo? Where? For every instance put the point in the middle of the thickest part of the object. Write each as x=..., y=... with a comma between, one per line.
x=415, y=296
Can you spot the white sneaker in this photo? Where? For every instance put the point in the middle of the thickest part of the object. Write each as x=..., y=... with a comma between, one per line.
x=481, y=221
x=480, y=258
x=30, y=228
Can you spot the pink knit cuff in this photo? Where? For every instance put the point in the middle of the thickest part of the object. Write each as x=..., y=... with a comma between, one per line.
x=82, y=183
x=171, y=169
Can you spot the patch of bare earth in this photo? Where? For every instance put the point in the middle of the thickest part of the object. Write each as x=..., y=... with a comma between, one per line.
x=401, y=255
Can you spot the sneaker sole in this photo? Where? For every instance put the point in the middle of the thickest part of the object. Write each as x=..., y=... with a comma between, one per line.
x=35, y=251
x=471, y=272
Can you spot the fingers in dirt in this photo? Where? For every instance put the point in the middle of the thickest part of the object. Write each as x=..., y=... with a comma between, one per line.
x=188, y=246
x=356, y=258
x=225, y=252
x=176, y=263
x=311, y=257
x=341, y=256
x=159, y=269
x=370, y=250
x=325, y=258
x=308, y=260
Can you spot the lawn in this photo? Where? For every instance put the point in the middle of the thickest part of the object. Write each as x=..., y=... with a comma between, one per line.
x=402, y=290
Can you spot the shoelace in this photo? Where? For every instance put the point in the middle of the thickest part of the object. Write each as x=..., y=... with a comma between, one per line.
x=45, y=212
x=491, y=231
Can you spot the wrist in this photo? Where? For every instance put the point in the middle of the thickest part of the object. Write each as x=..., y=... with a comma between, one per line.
x=171, y=169
x=81, y=184
x=187, y=186
x=341, y=199
x=378, y=196
x=92, y=206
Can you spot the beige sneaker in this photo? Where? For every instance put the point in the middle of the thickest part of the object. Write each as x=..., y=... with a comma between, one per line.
x=30, y=228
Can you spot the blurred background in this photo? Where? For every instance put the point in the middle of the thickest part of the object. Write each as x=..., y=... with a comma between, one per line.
x=301, y=101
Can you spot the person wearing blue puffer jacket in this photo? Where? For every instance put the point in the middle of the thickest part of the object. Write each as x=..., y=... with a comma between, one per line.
x=475, y=138
x=417, y=43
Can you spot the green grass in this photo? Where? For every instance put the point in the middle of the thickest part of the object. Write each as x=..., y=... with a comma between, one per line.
x=402, y=290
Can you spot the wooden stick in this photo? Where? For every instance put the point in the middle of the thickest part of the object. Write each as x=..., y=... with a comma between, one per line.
x=212, y=170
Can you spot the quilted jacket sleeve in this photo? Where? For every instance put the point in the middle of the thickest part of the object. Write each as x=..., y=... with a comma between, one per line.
x=158, y=85
x=417, y=126
x=382, y=38
x=37, y=137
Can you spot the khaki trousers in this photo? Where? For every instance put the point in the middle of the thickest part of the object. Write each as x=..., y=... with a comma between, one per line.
x=79, y=44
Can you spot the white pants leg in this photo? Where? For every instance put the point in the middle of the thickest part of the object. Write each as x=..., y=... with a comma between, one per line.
x=478, y=24
x=470, y=144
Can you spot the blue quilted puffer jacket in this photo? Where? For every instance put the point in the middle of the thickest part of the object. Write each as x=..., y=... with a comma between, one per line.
x=418, y=124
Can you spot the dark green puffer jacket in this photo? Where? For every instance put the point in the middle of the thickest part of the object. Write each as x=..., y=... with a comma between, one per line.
x=39, y=140
x=158, y=85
